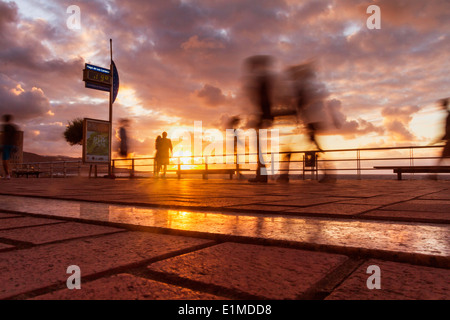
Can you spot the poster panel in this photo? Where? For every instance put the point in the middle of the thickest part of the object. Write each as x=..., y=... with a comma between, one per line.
x=95, y=141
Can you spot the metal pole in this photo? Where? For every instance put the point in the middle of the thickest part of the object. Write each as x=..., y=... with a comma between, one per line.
x=358, y=163
x=110, y=111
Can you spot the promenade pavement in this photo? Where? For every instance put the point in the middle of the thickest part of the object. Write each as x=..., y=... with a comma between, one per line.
x=194, y=239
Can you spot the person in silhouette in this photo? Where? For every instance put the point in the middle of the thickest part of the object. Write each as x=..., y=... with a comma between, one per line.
x=446, y=137
x=123, y=149
x=157, y=164
x=9, y=143
x=164, y=150
x=259, y=89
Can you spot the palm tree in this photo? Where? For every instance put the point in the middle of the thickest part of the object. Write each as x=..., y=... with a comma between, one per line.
x=74, y=132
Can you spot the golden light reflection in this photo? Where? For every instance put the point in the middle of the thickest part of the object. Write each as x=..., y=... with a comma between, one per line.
x=184, y=157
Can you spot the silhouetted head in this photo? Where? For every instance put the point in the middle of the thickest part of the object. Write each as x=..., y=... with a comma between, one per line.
x=258, y=62
x=444, y=103
x=234, y=121
x=164, y=134
x=124, y=122
x=7, y=117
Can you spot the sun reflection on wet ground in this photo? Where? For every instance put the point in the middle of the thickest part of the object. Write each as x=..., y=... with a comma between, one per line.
x=429, y=239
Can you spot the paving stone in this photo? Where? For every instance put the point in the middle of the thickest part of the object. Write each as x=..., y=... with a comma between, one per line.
x=269, y=272
x=379, y=200
x=127, y=287
x=38, y=267
x=409, y=215
x=25, y=222
x=306, y=201
x=262, y=207
x=336, y=208
x=8, y=215
x=422, y=205
x=398, y=281
x=443, y=195
x=4, y=247
x=347, y=193
x=50, y=233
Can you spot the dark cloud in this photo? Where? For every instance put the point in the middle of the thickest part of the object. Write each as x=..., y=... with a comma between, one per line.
x=338, y=123
x=211, y=95
x=21, y=102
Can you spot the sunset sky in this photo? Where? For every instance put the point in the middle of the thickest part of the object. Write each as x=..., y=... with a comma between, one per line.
x=181, y=61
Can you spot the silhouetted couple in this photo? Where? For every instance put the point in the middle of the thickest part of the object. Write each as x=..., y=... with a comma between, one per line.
x=163, y=147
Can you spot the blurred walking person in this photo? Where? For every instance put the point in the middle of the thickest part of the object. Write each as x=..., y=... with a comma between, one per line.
x=446, y=137
x=123, y=149
x=9, y=143
x=309, y=97
x=259, y=89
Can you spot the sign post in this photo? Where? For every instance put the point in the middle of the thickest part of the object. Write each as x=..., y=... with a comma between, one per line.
x=99, y=78
x=110, y=174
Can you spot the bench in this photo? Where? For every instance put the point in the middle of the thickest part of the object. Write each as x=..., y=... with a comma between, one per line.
x=20, y=173
x=412, y=169
x=206, y=172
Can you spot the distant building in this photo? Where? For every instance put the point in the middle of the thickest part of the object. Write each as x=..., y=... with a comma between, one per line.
x=16, y=157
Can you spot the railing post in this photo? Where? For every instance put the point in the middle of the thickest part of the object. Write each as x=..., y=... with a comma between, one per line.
x=113, y=167
x=179, y=168
x=272, y=164
x=205, y=175
x=132, y=168
x=303, y=171
x=317, y=166
x=358, y=164
x=237, y=164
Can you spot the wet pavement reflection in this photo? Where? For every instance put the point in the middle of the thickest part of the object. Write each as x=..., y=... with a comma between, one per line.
x=428, y=239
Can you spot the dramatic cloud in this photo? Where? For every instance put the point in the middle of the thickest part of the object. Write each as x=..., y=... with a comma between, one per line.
x=211, y=95
x=23, y=104
x=180, y=61
x=397, y=121
x=340, y=124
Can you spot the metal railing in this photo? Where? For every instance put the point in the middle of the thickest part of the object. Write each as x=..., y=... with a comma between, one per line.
x=355, y=161
x=50, y=169
x=345, y=160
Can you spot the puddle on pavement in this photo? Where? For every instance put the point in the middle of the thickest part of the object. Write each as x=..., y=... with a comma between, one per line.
x=427, y=239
